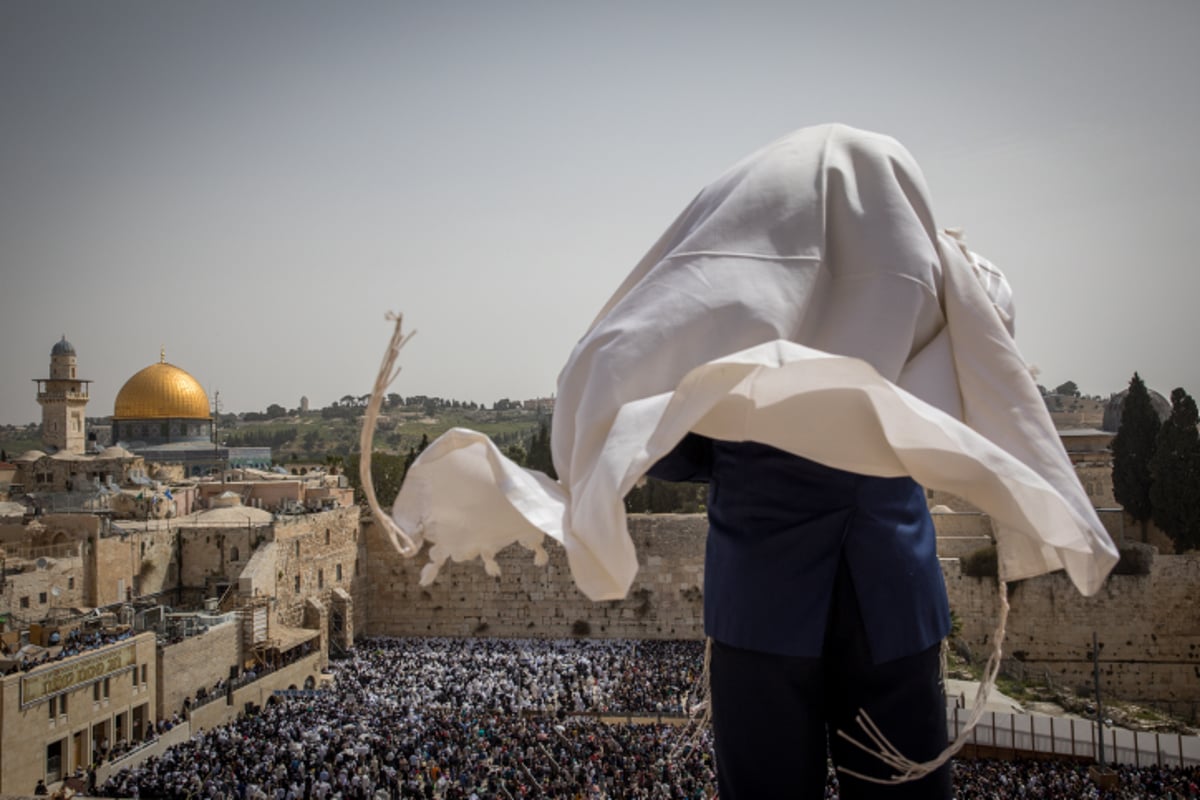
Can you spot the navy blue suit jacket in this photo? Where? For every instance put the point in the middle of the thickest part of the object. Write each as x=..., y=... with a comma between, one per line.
x=781, y=526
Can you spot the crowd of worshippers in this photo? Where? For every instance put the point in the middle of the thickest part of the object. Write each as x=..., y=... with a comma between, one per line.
x=614, y=676
x=985, y=779
x=507, y=719
x=58, y=647
x=205, y=695
x=446, y=719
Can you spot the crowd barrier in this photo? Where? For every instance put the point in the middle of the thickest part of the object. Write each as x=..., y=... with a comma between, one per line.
x=1033, y=735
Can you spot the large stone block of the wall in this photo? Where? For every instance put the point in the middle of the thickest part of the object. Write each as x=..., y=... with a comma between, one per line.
x=1147, y=627
x=664, y=602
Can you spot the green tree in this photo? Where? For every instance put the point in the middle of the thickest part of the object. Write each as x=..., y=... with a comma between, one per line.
x=1175, y=491
x=516, y=454
x=1133, y=448
x=413, y=452
x=275, y=411
x=1069, y=388
x=539, y=457
x=387, y=474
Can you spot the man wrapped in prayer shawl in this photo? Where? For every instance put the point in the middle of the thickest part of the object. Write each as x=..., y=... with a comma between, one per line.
x=805, y=340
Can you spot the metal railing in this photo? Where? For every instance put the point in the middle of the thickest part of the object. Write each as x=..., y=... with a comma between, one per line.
x=1025, y=734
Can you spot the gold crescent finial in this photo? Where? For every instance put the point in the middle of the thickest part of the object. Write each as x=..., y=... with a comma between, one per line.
x=162, y=354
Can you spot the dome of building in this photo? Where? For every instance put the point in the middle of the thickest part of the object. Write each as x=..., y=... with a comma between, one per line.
x=161, y=391
x=62, y=348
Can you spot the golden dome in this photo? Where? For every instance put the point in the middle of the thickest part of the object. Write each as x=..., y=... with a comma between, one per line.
x=161, y=391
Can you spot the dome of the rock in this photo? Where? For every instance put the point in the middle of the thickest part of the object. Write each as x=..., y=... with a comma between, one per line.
x=161, y=391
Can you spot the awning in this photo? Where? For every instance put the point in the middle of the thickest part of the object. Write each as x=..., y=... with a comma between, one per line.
x=289, y=637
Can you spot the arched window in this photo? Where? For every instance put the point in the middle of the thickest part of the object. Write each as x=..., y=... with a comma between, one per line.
x=233, y=553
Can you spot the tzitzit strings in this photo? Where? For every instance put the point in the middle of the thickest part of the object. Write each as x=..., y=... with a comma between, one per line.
x=907, y=769
x=388, y=371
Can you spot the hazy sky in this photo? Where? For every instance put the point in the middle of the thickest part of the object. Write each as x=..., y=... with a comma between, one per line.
x=254, y=184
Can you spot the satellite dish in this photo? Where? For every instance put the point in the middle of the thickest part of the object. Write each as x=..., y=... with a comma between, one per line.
x=54, y=590
x=41, y=563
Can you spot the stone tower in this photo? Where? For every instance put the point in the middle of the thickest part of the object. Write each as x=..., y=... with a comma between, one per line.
x=63, y=398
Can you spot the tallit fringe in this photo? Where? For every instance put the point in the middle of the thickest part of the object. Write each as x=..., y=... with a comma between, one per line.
x=907, y=769
x=388, y=372
x=699, y=712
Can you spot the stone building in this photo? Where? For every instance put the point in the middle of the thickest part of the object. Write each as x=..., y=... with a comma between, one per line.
x=55, y=718
x=65, y=471
x=43, y=574
x=63, y=398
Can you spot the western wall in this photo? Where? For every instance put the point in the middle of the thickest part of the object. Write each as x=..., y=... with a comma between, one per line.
x=1148, y=628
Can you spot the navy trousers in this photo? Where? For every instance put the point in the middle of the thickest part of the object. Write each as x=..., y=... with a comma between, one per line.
x=776, y=717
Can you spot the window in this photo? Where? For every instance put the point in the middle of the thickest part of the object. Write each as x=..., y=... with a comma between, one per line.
x=25, y=602
x=327, y=536
x=297, y=584
x=233, y=553
x=320, y=579
x=338, y=573
x=71, y=583
x=133, y=675
x=42, y=598
x=53, y=707
x=54, y=759
x=143, y=674
x=96, y=692
x=107, y=688
x=62, y=704
x=297, y=548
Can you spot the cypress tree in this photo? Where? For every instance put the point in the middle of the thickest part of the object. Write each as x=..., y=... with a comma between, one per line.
x=540, y=456
x=1133, y=448
x=1175, y=491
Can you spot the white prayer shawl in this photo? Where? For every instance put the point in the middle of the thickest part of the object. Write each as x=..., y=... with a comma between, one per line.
x=804, y=300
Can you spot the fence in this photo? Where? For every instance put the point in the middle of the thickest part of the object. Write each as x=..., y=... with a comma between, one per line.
x=181, y=732
x=31, y=553
x=72, y=502
x=1027, y=734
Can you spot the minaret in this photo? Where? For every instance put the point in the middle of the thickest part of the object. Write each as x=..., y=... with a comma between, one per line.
x=63, y=398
